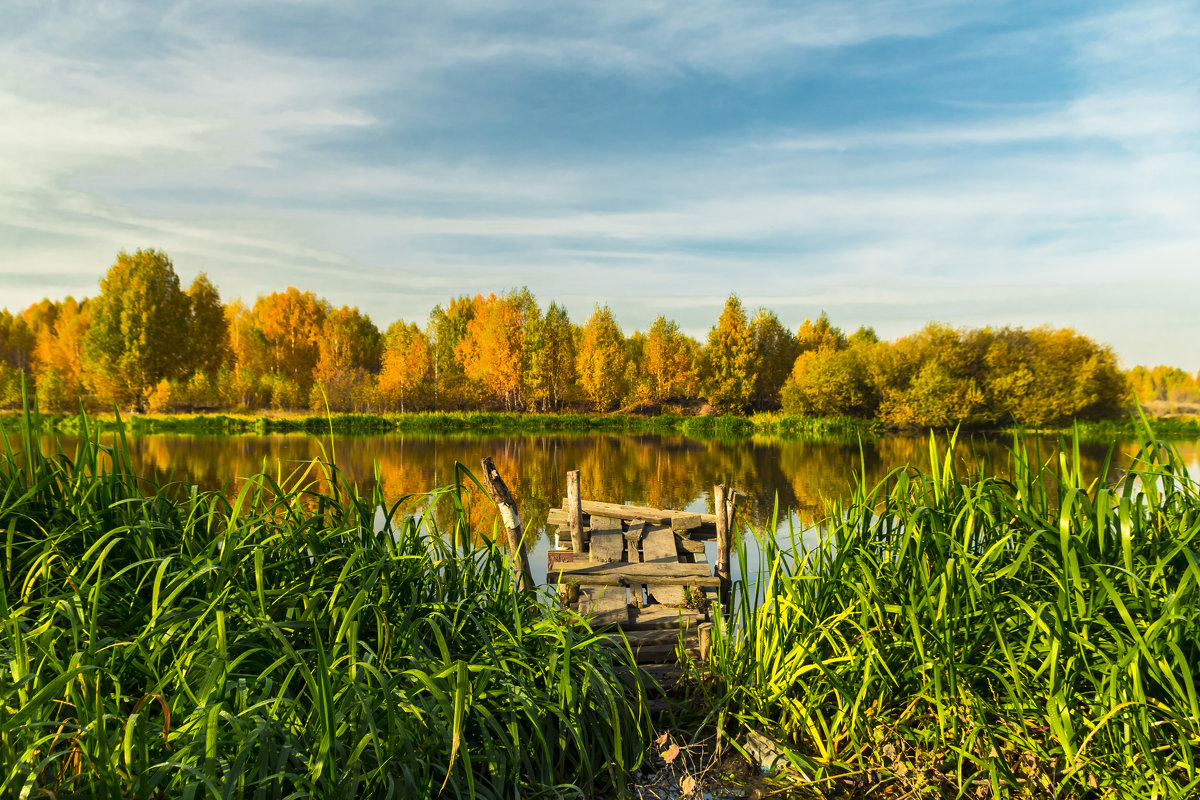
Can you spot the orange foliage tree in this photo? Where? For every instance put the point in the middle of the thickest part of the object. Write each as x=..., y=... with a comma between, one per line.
x=407, y=359
x=492, y=353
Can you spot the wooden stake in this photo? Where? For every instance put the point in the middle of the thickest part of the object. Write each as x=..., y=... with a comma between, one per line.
x=704, y=630
x=503, y=499
x=575, y=511
x=723, y=537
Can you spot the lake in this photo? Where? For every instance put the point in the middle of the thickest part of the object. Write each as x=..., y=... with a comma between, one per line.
x=665, y=471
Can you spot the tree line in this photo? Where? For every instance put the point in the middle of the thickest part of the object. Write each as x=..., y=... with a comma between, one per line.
x=145, y=342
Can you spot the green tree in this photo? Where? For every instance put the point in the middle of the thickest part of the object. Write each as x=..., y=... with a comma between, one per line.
x=601, y=360
x=775, y=350
x=209, y=329
x=551, y=347
x=139, y=329
x=730, y=360
x=445, y=329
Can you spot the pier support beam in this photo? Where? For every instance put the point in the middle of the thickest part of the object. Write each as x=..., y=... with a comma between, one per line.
x=503, y=499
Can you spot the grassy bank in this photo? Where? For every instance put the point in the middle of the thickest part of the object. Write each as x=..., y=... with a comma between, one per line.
x=489, y=423
x=956, y=636
x=293, y=639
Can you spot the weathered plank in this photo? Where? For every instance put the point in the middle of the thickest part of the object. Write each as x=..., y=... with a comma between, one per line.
x=658, y=547
x=688, y=545
x=659, y=516
x=607, y=540
x=661, y=617
x=604, y=605
x=584, y=572
x=633, y=554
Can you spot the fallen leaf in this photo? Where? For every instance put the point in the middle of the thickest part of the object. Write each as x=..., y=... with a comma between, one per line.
x=660, y=741
x=688, y=786
x=671, y=753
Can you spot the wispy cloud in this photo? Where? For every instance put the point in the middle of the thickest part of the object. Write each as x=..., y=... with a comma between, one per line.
x=873, y=158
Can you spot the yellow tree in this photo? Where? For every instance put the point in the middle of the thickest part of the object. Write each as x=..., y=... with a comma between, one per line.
x=492, y=353
x=349, y=352
x=670, y=361
x=407, y=358
x=58, y=355
x=285, y=333
x=601, y=360
x=730, y=360
x=138, y=327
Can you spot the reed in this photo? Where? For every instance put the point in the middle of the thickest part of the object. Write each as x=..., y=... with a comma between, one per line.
x=958, y=635
x=287, y=637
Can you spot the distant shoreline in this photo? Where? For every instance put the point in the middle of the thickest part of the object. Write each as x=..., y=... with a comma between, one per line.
x=699, y=427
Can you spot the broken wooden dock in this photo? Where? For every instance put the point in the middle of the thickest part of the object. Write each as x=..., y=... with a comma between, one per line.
x=643, y=571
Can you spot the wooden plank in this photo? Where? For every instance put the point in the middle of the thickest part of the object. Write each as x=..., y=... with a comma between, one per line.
x=604, y=605
x=633, y=554
x=688, y=545
x=658, y=547
x=607, y=540
x=631, y=578
x=583, y=572
x=660, y=516
x=684, y=522
x=661, y=617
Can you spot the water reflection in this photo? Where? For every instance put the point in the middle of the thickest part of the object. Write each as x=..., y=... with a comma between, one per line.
x=656, y=470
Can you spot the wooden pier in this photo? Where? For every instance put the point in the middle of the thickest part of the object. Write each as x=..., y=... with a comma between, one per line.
x=643, y=571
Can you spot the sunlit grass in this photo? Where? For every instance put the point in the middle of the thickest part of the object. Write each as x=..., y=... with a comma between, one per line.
x=963, y=635
x=290, y=638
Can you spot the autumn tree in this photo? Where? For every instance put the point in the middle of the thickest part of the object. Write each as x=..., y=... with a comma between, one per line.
x=671, y=357
x=284, y=336
x=600, y=362
x=493, y=351
x=775, y=351
x=138, y=331
x=730, y=370
x=407, y=361
x=551, y=348
x=445, y=329
x=58, y=354
x=349, y=350
x=819, y=335
x=208, y=328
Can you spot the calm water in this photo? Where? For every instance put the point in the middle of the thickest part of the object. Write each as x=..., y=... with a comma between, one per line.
x=655, y=470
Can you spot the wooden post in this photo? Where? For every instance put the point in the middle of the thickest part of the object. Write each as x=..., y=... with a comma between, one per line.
x=503, y=499
x=704, y=631
x=723, y=537
x=575, y=511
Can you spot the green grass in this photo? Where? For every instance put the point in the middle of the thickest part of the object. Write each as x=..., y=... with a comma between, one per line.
x=950, y=634
x=287, y=637
x=490, y=423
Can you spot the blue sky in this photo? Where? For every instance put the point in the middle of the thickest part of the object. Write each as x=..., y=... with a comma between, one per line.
x=887, y=162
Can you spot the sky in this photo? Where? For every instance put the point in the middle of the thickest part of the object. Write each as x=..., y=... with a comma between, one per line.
x=889, y=163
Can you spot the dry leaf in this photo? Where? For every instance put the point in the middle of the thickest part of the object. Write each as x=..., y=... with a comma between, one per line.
x=671, y=753
x=688, y=786
x=660, y=741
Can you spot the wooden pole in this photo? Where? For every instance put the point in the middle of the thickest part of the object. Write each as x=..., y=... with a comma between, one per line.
x=723, y=537
x=575, y=511
x=704, y=631
x=503, y=499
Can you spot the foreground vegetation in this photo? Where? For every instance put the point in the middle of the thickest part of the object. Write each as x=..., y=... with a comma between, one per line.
x=953, y=635
x=290, y=638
